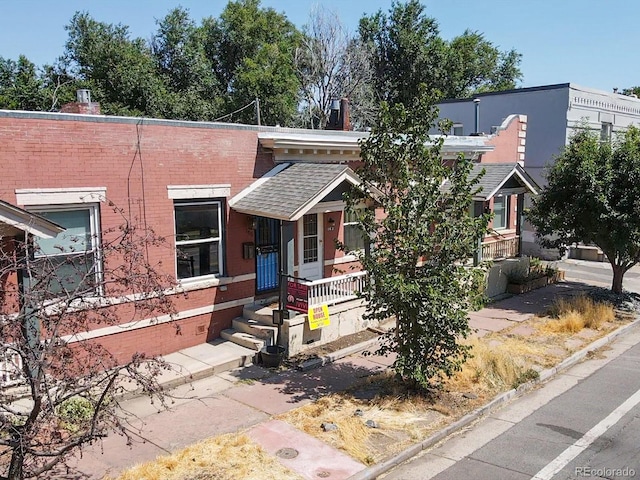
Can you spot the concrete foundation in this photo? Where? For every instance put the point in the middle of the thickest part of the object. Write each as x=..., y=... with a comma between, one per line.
x=497, y=276
x=346, y=319
x=585, y=252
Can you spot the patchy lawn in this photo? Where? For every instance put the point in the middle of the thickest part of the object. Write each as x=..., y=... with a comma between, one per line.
x=378, y=417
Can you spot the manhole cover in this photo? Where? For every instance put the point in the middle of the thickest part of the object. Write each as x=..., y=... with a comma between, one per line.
x=287, y=453
x=323, y=474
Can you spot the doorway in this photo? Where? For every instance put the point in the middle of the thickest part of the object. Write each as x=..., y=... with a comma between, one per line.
x=267, y=254
x=311, y=261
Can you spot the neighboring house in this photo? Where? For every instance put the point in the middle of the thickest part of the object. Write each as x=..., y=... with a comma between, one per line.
x=16, y=224
x=239, y=203
x=553, y=112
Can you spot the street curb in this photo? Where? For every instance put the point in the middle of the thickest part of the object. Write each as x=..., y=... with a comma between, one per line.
x=377, y=470
x=337, y=355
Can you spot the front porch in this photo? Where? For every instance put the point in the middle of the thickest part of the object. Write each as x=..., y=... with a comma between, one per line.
x=256, y=328
x=500, y=249
x=297, y=213
x=334, y=290
x=501, y=191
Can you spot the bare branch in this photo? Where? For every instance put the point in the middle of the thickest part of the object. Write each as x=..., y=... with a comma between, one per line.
x=72, y=383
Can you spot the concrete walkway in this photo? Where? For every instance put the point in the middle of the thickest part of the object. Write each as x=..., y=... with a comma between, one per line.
x=246, y=400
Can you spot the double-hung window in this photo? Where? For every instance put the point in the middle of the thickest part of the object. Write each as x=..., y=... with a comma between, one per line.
x=70, y=262
x=606, y=129
x=198, y=238
x=354, y=238
x=501, y=212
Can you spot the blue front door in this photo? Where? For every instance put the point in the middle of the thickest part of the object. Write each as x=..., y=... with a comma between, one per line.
x=267, y=254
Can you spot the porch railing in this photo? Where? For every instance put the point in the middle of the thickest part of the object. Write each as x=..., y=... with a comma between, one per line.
x=499, y=249
x=10, y=369
x=329, y=291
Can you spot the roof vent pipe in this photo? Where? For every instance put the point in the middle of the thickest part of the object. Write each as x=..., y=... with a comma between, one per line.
x=83, y=95
x=334, y=115
x=476, y=102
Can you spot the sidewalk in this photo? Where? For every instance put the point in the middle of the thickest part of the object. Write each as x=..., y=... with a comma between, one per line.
x=247, y=398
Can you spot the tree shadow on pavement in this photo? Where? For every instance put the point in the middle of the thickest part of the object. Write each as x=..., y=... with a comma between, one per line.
x=335, y=377
x=539, y=300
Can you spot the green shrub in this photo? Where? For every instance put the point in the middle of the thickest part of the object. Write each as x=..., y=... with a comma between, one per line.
x=75, y=412
x=527, y=376
x=537, y=269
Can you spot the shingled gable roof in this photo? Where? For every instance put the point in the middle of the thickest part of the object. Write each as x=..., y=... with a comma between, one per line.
x=290, y=190
x=14, y=221
x=510, y=178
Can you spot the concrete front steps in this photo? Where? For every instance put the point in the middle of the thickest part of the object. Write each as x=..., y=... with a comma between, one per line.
x=254, y=329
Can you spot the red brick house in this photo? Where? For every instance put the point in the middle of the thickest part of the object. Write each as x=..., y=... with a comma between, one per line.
x=239, y=203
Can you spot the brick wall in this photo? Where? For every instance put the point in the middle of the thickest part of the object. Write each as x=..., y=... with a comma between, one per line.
x=509, y=141
x=136, y=161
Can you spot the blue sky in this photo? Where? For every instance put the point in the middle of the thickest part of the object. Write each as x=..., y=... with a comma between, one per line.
x=593, y=43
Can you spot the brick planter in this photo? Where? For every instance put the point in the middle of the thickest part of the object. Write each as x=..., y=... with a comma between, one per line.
x=534, y=284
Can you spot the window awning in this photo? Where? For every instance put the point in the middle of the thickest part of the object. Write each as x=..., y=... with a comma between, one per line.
x=290, y=190
x=15, y=221
x=502, y=178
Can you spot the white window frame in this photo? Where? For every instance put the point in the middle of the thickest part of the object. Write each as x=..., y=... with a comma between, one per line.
x=94, y=235
x=346, y=224
x=457, y=129
x=505, y=200
x=219, y=239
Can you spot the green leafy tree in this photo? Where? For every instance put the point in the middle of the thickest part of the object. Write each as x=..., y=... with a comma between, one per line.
x=419, y=245
x=252, y=51
x=593, y=196
x=119, y=70
x=21, y=87
x=25, y=87
x=408, y=51
x=632, y=91
x=475, y=65
x=181, y=61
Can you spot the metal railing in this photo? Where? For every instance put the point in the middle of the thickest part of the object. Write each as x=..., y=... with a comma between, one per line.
x=329, y=291
x=10, y=369
x=499, y=249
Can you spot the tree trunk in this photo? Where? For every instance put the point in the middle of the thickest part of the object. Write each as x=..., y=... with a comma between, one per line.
x=17, y=463
x=618, y=275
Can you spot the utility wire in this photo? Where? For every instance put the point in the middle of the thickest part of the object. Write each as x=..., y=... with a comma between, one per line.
x=252, y=102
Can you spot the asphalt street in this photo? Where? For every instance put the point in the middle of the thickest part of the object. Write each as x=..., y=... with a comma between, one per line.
x=599, y=273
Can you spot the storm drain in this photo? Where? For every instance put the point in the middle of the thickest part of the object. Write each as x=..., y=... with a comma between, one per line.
x=287, y=453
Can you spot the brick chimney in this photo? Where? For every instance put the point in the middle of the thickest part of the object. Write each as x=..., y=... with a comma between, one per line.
x=83, y=105
x=339, y=116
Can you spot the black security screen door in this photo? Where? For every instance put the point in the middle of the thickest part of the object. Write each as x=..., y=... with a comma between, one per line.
x=267, y=253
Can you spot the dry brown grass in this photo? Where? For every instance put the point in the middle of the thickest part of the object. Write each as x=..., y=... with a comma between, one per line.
x=573, y=314
x=500, y=361
x=493, y=368
x=226, y=457
x=400, y=422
